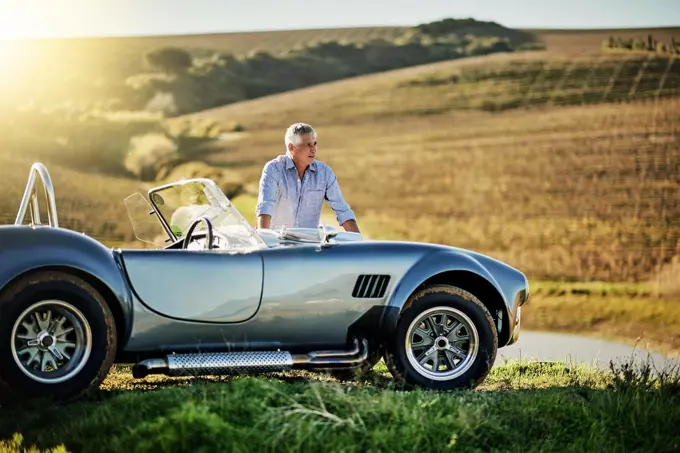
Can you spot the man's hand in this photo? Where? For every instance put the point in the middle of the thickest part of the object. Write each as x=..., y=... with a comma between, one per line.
x=351, y=226
x=264, y=221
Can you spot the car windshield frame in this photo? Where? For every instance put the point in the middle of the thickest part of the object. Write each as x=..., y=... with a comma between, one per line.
x=222, y=213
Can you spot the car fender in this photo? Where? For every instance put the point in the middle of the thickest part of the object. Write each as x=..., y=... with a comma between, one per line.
x=25, y=249
x=428, y=266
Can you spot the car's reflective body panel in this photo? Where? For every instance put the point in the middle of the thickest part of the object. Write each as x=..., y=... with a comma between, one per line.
x=196, y=286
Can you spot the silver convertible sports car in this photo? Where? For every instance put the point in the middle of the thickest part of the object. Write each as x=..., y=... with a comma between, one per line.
x=210, y=294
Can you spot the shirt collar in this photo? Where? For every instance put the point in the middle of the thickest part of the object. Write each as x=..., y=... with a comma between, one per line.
x=290, y=164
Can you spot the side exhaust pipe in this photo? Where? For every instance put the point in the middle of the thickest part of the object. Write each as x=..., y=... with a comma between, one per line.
x=216, y=363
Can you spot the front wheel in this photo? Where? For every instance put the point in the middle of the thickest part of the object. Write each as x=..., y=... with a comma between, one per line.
x=57, y=338
x=445, y=340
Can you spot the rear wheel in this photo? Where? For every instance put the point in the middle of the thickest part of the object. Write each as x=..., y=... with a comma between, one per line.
x=57, y=338
x=445, y=340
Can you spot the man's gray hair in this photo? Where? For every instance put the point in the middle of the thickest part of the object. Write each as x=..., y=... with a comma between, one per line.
x=295, y=131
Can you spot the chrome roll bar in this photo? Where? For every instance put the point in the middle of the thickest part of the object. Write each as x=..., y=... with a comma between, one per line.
x=30, y=198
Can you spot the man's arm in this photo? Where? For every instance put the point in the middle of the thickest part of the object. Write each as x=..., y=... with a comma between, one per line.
x=351, y=225
x=266, y=198
x=343, y=212
x=264, y=221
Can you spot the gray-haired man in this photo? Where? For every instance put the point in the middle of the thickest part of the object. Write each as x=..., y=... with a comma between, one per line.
x=294, y=185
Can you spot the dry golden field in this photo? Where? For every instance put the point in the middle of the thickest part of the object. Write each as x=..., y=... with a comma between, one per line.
x=584, y=42
x=560, y=189
x=86, y=202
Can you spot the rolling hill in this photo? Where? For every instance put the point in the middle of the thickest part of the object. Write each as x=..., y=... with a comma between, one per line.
x=183, y=74
x=565, y=167
x=103, y=59
x=93, y=69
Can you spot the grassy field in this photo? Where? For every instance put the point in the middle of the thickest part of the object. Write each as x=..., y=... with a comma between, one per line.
x=86, y=202
x=630, y=313
x=521, y=407
x=583, y=42
x=568, y=172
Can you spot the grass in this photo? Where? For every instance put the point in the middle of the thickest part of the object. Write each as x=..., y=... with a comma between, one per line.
x=624, y=312
x=522, y=406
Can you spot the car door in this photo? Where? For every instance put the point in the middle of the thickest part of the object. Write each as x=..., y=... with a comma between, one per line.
x=209, y=286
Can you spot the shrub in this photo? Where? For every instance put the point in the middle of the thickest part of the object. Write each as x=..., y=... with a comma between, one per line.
x=149, y=154
x=169, y=59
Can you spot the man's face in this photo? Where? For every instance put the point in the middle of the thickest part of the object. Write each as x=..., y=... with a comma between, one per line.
x=304, y=152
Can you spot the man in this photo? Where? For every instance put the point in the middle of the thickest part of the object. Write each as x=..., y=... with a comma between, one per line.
x=294, y=185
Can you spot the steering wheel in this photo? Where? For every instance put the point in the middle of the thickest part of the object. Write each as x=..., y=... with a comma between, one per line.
x=192, y=227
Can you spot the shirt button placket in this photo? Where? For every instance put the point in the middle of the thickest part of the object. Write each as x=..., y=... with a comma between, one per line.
x=297, y=209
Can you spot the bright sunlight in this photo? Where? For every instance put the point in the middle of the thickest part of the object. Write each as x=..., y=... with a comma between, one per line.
x=43, y=18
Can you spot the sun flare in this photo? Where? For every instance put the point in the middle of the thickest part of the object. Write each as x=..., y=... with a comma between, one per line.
x=34, y=18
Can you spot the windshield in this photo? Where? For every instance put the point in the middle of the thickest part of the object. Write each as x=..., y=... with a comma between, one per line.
x=180, y=203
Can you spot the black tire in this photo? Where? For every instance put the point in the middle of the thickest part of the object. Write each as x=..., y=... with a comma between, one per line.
x=80, y=306
x=460, y=305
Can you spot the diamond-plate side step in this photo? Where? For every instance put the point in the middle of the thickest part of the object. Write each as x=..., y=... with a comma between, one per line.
x=217, y=363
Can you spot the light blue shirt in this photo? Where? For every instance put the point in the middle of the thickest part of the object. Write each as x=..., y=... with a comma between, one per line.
x=294, y=202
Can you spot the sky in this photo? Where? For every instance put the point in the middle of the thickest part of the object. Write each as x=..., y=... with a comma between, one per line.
x=68, y=18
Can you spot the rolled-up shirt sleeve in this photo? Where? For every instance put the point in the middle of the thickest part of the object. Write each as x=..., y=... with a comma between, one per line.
x=343, y=212
x=266, y=199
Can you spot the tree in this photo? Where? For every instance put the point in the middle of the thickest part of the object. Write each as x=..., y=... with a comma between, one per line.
x=170, y=59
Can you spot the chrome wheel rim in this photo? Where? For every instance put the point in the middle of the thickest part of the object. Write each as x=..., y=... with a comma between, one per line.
x=442, y=343
x=51, y=341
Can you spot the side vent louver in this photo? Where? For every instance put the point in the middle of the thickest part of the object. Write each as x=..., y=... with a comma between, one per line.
x=370, y=286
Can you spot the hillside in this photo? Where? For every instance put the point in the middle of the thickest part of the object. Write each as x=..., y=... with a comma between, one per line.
x=91, y=69
x=107, y=72
x=116, y=72
x=490, y=83
x=567, y=172
x=101, y=60
x=89, y=203
x=588, y=42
